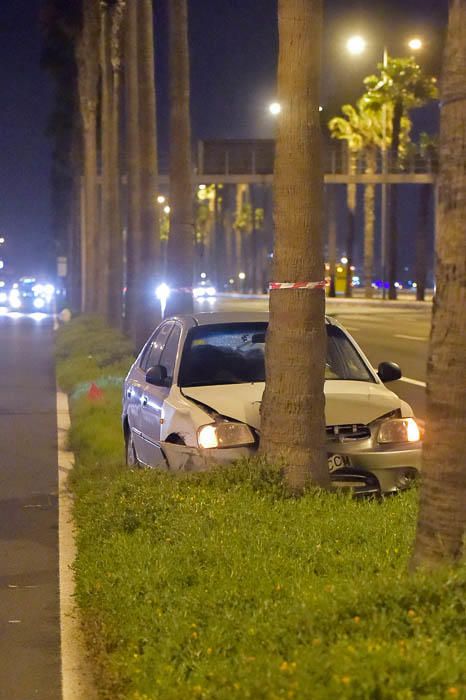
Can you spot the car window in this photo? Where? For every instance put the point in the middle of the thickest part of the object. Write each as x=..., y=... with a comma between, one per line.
x=234, y=354
x=151, y=357
x=168, y=357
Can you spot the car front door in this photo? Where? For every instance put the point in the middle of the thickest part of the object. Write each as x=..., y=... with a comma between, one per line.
x=155, y=396
x=149, y=358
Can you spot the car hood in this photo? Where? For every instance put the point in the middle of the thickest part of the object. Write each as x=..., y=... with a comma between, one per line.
x=345, y=401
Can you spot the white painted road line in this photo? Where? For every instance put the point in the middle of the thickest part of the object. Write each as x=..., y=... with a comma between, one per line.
x=77, y=681
x=414, y=382
x=412, y=337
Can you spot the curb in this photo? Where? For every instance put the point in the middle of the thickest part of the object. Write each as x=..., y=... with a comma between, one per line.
x=77, y=680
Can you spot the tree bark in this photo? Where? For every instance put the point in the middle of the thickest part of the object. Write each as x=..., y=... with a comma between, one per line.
x=292, y=413
x=442, y=515
x=369, y=225
x=181, y=241
x=421, y=239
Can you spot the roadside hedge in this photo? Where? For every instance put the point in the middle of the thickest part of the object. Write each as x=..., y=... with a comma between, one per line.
x=220, y=586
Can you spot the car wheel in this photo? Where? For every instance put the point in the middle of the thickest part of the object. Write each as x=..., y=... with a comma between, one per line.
x=131, y=457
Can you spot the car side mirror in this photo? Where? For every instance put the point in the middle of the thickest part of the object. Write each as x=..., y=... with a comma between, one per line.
x=389, y=372
x=156, y=375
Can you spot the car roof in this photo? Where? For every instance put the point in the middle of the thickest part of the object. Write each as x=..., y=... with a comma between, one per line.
x=206, y=318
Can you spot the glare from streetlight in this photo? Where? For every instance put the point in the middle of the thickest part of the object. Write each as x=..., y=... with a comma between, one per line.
x=415, y=44
x=242, y=276
x=356, y=45
x=275, y=108
x=160, y=199
x=166, y=209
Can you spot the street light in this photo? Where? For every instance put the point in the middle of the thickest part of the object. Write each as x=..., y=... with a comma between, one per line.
x=275, y=108
x=356, y=45
x=160, y=199
x=167, y=209
x=415, y=44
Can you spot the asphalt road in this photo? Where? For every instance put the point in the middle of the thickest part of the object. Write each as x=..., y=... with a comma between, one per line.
x=29, y=604
x=384, y=332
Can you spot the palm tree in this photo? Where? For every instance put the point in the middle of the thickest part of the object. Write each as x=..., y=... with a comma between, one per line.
x=292, y=413
x=87, y=59
x=362, y=128
x=442, y=514
x=148, y=264
x=401, y=86
x=133, y=237
x=181, y=240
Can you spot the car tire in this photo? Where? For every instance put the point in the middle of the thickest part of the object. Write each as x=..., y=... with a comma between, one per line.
x=132, y=461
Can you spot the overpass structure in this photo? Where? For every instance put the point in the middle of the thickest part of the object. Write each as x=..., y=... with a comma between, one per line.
x=251, y=161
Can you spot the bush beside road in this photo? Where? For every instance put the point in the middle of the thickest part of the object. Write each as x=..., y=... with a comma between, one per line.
x=220, y=586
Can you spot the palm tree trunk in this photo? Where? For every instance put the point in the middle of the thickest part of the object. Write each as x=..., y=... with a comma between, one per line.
x=332, y=238
x=149, y=263
x=106, y=160
x=351, y=231
x=133, y=168
x=87, y=59
x=421, y=252
x=292, y=413
x=393, y=206
x=115, y=292
x=442, y=514
x=369, y=225
x=181, y=242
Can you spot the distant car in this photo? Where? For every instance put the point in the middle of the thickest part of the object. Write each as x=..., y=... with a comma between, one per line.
x=28, y=296
x=192, y=399
x=204, y=290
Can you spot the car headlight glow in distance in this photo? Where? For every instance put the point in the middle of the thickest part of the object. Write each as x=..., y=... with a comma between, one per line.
x=39, y=303
x=224, y=435
x=15, y=299
x=162, y=292
x=3, y=297
x=399, y=430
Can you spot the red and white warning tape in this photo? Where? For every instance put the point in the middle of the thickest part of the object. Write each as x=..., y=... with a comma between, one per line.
x=297, y=285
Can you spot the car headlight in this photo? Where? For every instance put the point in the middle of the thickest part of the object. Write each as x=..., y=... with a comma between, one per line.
x=224, y=435
x=399, y=430
x=39, y=303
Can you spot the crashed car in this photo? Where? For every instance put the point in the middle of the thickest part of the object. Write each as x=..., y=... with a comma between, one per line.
x=192, y=400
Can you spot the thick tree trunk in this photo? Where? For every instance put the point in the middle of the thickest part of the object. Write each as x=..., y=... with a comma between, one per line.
x=292, y=413
x=369, y=226
x=149, y=263
x=442, y=515
x=421, y=239
x=181, y=242
x=133, y=168
x=393, y=207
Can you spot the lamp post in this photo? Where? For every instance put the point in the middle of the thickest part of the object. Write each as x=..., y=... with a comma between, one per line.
x=356, y=45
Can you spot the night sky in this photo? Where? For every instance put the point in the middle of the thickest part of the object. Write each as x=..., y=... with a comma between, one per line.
x=233, y=58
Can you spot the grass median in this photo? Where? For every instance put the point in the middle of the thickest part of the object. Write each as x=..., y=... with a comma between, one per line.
x=220, y=586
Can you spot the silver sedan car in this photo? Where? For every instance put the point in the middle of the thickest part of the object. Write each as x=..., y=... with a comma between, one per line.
x=192, y=400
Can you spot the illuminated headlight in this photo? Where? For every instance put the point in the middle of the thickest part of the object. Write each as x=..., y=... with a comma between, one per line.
x=399, y=430
x=224, y=435
x=199, y=292
x=3, y=297
x=15, y=299
x=211, y=291
x=39, y=303
x=162, y=292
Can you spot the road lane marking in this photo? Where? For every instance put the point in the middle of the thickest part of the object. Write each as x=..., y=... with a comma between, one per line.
x=76, y=675
x=411, y=337
x=414, y=382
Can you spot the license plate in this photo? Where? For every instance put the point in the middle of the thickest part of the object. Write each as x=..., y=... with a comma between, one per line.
x=338, y=462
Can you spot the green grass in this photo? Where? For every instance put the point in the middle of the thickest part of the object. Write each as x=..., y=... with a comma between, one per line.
x=220, y=586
